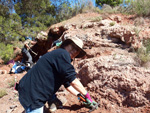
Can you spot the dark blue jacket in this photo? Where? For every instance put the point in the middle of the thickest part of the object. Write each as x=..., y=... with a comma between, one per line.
x=45, y=78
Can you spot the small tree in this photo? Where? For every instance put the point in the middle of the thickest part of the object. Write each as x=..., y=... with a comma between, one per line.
x=6, y=52
x=109, y=2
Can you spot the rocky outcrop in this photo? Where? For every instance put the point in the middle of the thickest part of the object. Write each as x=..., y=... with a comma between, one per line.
x=105, y=28
x=112, y=75
x=117, y=79
x=119, y=32
x=111, y=72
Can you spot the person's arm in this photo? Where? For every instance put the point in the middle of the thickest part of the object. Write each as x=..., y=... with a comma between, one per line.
x=87, y=101
x=72, y=90
x=33, y=42
x=27, y=46
x=78, y=86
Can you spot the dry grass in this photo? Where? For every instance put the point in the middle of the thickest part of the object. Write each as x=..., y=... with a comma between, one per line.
x=144, y=52
x=96, y=19
x=141, y=7
x=11, y=83
x=2, y=92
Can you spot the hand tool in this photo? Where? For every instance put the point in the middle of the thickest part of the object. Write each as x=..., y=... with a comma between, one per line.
x=33, y=51
x=82, y=98
x=94, y=107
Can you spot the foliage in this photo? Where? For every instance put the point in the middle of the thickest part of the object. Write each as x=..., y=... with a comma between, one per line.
x=87, y=6
x=32, y=16
x=109, y=2
x=2, y=93
x=96, y=19
x=67, y=10
x=137, y=31
x=144, y=52
x=63, y=11
x=147, y=45
x=112, y=23
x=4, y=10
x=35, y=15
x=5, y=7
x=97, y=10
x=10, y=28
x=140, y=7
x=6, y=52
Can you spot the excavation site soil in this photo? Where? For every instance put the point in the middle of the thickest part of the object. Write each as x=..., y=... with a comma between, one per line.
x=111, y=71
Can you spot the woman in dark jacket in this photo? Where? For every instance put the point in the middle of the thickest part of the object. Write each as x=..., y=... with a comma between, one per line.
x=50, y=72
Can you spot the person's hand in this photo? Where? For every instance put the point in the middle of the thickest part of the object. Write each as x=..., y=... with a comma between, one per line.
x=89, y=104
x=87, y=101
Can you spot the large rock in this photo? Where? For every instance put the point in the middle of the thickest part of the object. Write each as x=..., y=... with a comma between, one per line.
x=120, y=32
x=117, y=79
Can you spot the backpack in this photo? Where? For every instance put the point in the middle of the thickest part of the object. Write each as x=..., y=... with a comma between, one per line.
x=18, y=67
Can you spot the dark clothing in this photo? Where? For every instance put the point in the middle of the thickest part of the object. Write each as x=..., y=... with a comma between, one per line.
x=27, y=58
x=45, y=78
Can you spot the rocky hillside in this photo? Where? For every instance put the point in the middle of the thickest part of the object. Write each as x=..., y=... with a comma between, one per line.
x=111, y=71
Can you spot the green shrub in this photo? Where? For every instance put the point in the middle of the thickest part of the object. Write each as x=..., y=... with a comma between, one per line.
x=96, y=19
x=138, y=7
x=144, y=52
x=82, y=6
x=2, y=93
x=141, y=7
x=18, y=44
x=109, y=2
x=112, y=23
x=97, y=10
x=143, y=57
x=147, y=45
x=137, y=30
x=87, y=6
x=6, y=52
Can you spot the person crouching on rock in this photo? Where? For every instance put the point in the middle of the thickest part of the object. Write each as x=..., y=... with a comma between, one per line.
x=52, y=70
x=27, y=58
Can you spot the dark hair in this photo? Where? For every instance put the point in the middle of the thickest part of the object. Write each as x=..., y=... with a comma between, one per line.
x=66, y=43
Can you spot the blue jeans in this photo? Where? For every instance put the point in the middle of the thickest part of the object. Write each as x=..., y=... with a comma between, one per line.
x=38, y=110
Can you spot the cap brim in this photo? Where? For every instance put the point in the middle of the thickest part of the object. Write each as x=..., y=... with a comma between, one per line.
x=81, y=54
